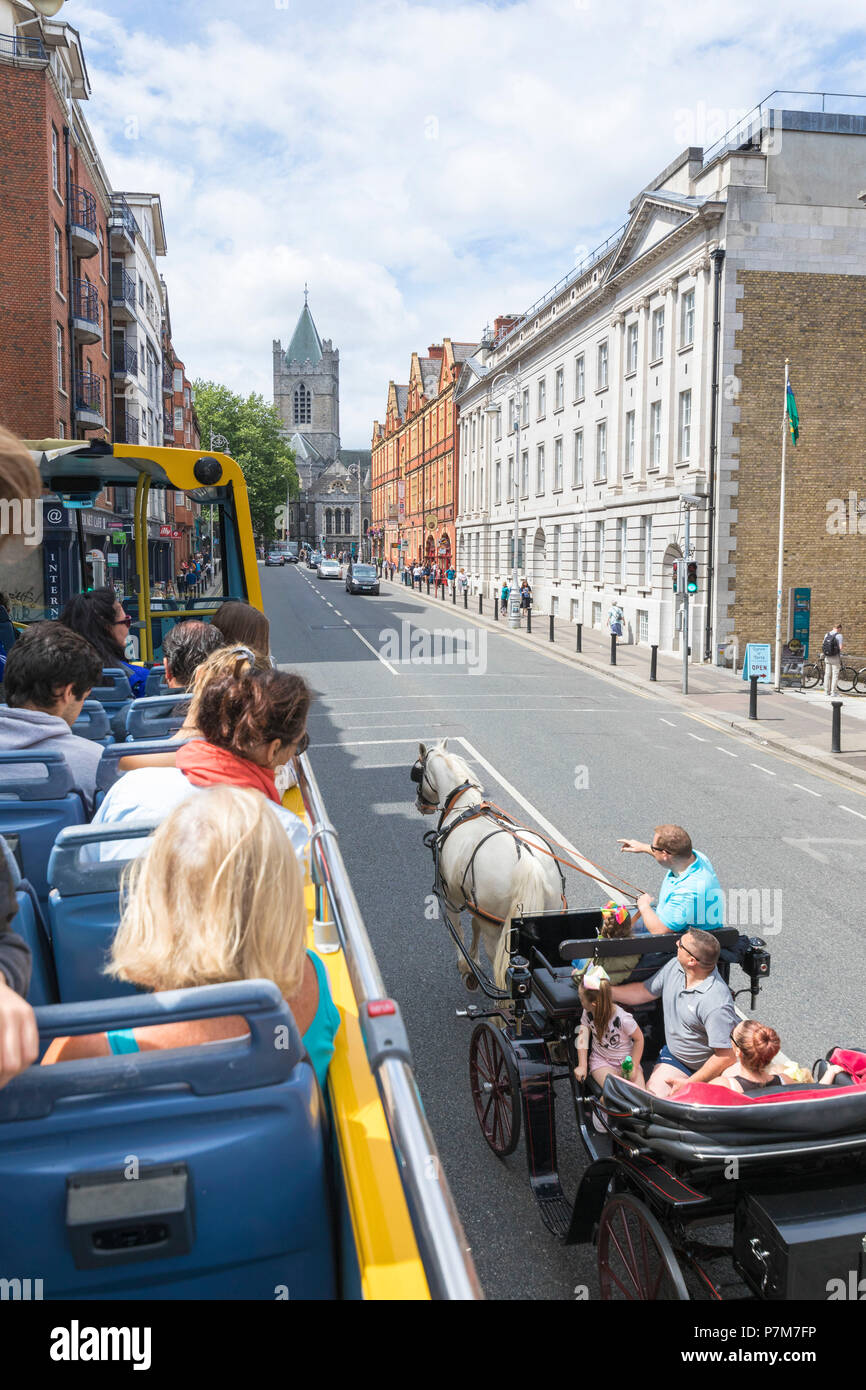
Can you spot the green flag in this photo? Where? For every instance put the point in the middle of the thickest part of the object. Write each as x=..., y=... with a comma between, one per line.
x=793, y=415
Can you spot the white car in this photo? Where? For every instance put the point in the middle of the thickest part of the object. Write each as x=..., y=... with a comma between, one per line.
x=328, y=569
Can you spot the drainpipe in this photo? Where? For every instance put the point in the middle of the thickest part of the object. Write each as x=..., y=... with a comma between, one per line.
x=718, y=258
x=70, y=277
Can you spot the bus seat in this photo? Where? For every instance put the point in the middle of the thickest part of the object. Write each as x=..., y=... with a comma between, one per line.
x=84, y=908
x=30, y=925
x=231, y=1198
x=115, y=696
x=157, y=716
x=93, y=723
x=35, y=808
x=156, y=682
x=107, y=771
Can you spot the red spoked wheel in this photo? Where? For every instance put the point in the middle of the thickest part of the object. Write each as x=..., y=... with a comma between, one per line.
x=495, y=1089
x=636, y=1261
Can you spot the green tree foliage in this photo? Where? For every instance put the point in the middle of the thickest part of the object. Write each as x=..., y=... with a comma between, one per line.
x=253, y=429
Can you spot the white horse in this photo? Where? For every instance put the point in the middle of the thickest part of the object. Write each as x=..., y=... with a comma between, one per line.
x=495, y=876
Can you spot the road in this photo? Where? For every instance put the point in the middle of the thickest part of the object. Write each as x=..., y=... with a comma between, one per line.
x=598, y=762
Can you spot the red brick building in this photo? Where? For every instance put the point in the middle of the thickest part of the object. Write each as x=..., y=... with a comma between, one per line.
x=415, y=460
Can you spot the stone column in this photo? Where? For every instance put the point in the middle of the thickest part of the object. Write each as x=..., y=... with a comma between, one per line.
x=703, y=368
x=643, y=396
x=667, y=382
x=614, y=405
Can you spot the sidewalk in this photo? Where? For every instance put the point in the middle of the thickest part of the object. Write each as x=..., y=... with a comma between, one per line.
x=794, y=722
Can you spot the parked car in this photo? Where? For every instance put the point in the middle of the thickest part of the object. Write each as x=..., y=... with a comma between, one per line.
x=362, y=579
x=275, y=557
x=328, y=569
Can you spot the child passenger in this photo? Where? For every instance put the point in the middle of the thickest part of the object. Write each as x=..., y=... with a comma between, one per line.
x=606, y=1034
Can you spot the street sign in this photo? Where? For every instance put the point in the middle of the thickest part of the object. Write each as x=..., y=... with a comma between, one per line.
x=757, y=662
x=791, y=672
x=113, y=558
x=118, y=538
x=799, y=617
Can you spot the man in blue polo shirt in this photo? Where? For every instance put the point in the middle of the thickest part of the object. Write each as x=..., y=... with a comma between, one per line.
x=690, y=895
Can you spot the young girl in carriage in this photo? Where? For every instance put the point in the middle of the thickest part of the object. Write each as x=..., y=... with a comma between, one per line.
x=607, y=1035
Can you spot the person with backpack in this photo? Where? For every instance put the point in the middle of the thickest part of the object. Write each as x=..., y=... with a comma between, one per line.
x=832, y=649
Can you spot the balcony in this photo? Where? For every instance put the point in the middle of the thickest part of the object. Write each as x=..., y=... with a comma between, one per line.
x=122, y=293
x=22, y=48
x=124, y=364
x=125, y=426
x=167, y=380
x=85, y=312
x=82, y=222
x=168, y=427
x=122, y=226
x=88, y=400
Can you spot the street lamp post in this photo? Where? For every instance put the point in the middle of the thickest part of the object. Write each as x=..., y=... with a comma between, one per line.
x=217, y=441
x=512, y=382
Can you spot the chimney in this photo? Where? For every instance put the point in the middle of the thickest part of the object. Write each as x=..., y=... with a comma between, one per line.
x=436, y=351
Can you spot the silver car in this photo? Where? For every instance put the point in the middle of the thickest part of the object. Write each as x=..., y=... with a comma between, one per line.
x=328, y=569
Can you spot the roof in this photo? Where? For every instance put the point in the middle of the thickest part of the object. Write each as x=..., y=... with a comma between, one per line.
x=303, y=448
x=306, y=344
x=431, y=368
x=402, y=400
x=463, y=350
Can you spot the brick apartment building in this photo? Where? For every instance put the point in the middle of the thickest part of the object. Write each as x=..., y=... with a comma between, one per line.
x=415, y=460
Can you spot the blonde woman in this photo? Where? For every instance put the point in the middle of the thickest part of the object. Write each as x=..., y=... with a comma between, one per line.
x=217, y=897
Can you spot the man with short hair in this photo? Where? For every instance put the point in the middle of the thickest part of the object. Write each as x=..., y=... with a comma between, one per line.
x=691, y=895
x=832, y=650
x=185, y=647
x=699, y=1014
x=49, y=674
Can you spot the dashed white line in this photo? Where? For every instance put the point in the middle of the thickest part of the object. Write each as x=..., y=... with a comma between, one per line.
x=763, y=769
x=852, y=812
x=698, y=737
x=377, y=655
x=726, y=751
x=809, y=790
x=668, y=722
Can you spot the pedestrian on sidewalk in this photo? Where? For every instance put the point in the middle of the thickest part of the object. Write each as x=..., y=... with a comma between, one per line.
x=615, y=619
x=449, y=574
x=832, y=649
x=503, y=598
x=462, y=581
x=525, y=595
x=690, y=896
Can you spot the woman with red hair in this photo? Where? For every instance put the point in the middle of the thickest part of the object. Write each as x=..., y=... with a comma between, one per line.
x=755, y=1046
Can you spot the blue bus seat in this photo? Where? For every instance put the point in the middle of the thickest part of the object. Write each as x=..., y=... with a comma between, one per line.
x=30, y=925
x=157, y=716
x=232, y=1197
x=115, y=696
x=35, y=808
x=93, y=723
x=107, y=771
x=84, y=907
x=156, y=681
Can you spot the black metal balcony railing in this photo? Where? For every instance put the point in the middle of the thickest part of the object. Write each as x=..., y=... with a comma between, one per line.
x=124, y=362
x=122, y=217
x=168, y=425
x=127, y=430
x=85, y=301
x=88, y=392
x=122, y=285
x=23, y=46
x=82, y=212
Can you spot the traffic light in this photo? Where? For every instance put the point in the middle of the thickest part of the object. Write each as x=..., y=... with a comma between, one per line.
x=676, y=576
x=692, y=577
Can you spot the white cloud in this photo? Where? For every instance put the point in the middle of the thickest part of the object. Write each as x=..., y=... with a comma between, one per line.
x=423, y=167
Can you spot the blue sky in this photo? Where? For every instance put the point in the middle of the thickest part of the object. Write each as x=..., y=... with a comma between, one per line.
x=424, y=167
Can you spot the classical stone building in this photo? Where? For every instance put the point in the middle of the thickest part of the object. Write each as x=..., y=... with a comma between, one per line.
x=656, y=369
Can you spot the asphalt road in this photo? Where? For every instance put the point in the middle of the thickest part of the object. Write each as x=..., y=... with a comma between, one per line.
x=599, y=762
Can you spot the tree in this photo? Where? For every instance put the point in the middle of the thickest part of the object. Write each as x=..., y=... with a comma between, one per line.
x=254, y=432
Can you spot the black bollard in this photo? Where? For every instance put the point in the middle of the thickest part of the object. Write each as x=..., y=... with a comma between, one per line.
x=466, y=597
x=551, y=627
x=654, y=657
x=480, y=604
x=753, y=697
x=496, y=607
x=613, y=649
x=428, y=586
x=453, y=593
x=529, y=619
x=836, y=744
x=579, y=637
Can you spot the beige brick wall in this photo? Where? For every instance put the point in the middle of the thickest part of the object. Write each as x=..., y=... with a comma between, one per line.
x=819, y=322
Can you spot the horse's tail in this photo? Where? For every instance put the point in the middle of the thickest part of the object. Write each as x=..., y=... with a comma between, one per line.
x=529, y=889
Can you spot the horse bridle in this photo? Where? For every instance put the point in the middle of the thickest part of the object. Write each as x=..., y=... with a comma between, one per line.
x=418, y=773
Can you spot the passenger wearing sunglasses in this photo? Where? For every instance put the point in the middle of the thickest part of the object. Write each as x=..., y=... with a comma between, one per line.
x=100, y=617
x=690, y=895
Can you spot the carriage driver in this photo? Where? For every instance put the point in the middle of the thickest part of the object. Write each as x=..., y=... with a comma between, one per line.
x=690, y=895
x=699, y=1014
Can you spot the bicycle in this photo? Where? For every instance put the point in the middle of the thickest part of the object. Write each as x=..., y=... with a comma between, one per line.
x=813, y=674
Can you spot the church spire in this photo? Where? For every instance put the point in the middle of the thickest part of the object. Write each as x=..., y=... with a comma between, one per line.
x=306, y=343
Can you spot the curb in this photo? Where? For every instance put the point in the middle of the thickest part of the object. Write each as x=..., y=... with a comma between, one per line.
x=808, y=755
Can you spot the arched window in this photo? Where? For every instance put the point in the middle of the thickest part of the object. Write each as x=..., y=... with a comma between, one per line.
x=338, y=516
x=303, y=403
x=329, y=522
x=347, y=521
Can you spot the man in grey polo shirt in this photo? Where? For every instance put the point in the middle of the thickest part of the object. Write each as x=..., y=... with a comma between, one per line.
x=698, y=1010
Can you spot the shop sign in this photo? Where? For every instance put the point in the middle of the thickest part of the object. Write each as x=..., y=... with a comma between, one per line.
x=165, y=530
x=113, y=559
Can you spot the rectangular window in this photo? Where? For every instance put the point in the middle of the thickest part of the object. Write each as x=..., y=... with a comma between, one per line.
x=655, y=434
x=557, y=464
x=512, y=414
x=631, y=348
x=685, y=431
x=621, y=549
x=596, y=615
x=58, y=262
x=602, y=366
x=186, y=399
x=55, y=161
x=142, y=364
x=642, y=625
x=560, y=387
x=61, y=430
x=601, y=452
x=59, y=346
x=577, y=461
x=474, y=435
x=510, y=497
x=498, y=434
x=539, y=469
x=542, y=398
x=177, y=383
x=178, y=418
x=524, y=473
x=579, y=378
x=579, y=554
x=687, y=330
x=497, y=482
x=658, y=335
x=520, y=547
x=557, y=537
x=525, y=406
x=599, y=553
x=629, y=443
x=645, y=558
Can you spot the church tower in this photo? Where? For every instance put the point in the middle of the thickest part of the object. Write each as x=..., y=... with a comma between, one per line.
x=307, y=395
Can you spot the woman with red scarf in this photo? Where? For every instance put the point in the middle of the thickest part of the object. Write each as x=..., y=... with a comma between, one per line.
x=251, y=722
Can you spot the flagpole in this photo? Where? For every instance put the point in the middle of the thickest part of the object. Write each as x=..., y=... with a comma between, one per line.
x=778, y=680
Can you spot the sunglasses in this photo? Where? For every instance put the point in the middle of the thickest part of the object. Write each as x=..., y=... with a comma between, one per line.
x=126, y=620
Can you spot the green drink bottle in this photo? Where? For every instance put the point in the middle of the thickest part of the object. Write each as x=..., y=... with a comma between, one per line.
x=627, y=1067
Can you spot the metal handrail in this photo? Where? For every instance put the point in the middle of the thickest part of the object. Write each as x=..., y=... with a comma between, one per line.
x=122, y=285
x=441, y=1239
x=754, y=120
x=124, y=359
x=85, y=301
x=88, y=391
x=122, y=216
x=82, y=211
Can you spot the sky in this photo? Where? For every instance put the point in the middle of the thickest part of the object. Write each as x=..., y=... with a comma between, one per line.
x=423, y=167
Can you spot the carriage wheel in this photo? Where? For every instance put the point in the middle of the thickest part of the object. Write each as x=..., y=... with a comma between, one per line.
x=495, y=1089
x=636, y=1261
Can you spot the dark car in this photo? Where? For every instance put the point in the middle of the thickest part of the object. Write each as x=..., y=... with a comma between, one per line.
x=313, y=559
x=362, y=579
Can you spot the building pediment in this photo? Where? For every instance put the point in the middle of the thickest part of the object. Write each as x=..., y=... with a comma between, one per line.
x=656, y=217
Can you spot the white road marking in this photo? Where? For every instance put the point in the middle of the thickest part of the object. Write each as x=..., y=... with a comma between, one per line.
x=801, y=788
x=365, y=742
x=727, y=751
x=668, y=722
x=807, y=847
x=698, y=738
x=852, y=812
x=395, y=808
x=763, y=769
x=377, y=655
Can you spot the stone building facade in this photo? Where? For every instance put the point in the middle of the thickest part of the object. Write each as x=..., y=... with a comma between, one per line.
x=656, y=369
